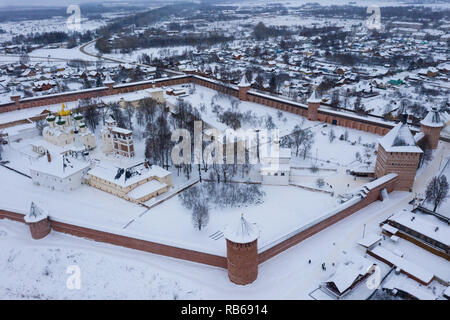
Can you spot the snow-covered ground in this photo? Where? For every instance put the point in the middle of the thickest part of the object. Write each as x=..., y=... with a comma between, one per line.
x=106, y=271
x=110, y=272
x=26, y=27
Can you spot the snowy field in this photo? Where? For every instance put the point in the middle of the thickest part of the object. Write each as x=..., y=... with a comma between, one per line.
x=133, y=56
x=26, y=27
x=63, y=53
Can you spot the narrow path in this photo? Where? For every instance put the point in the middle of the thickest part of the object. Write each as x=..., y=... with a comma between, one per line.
x=16, y=171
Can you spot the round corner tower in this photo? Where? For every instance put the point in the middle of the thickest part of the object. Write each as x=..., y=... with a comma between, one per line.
x=313, y=106
x=242, y=251
x=15, y=97
x=431, y=126
x=243, y=86
x=38, y=222
x=109, y=82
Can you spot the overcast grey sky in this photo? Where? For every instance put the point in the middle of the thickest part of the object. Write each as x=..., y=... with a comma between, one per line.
x=61, y=3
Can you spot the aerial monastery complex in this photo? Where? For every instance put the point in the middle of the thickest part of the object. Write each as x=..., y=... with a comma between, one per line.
x=70, y=157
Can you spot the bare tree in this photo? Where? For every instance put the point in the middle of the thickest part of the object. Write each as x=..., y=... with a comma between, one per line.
x=40, y=125
x=320, y=182
x=437, y=191
x=129, y=112
x=331, y=135
x=427, y=154
x=195, y=199
x=335, y=99
x=2, y=139
x=200, y=215
x=117, y=114
x=91, y=116
x=269, y=123
x=302, y=139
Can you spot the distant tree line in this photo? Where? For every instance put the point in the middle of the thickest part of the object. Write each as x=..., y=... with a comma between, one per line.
x=46, y=38
x=129, y=43
x=261, y=31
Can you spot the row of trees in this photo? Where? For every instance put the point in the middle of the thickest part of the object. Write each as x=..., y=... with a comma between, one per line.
x=300, y=139
x=44, y=38
x=205, y=195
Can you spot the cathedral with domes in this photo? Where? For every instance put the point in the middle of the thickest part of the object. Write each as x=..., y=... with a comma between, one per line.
x=62, y=127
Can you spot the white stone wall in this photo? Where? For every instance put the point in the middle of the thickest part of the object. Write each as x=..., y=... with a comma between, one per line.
x=55, y=183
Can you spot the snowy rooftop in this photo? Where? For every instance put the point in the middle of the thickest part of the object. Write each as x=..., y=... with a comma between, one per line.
x=369, y=240
x=428, y=225
x=314, y=98
x=347, y=273
x=146, y=189
x=35, y=214
x=242, y=231
x=244, y=82
x=107, y=170
x=405, y=265
x=108, y=80
x=400, y=139
x=121, y=130
x=409, y=286
x=433, y=119
x=60, y=166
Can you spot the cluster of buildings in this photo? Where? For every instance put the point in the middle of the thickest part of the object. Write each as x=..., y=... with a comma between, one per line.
x=42, y=78
x=66, y=160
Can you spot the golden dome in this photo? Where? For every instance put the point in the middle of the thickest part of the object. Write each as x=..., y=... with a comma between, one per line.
x=63, y=112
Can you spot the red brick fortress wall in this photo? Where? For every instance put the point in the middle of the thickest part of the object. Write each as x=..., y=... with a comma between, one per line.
x=280, y=103
x=128, y=242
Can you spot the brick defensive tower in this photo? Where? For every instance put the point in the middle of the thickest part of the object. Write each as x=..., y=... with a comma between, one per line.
x=242, y=251
x=15, y=97
x=398, y=153
x=109, y=83
x=243, y=86
x=38, y=222
x=431, y=126
x=313, y=106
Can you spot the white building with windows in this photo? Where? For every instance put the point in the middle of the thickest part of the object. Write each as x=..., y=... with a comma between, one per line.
x=58, y=172
x=276, y=170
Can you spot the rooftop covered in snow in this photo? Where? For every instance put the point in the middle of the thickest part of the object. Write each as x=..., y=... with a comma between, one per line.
x=433, y=119
x=109, y=171
x=244, y=82
x=400, y=139
x=35, y=214
x=60, y=166
x=242, y=231
x=314, y=98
